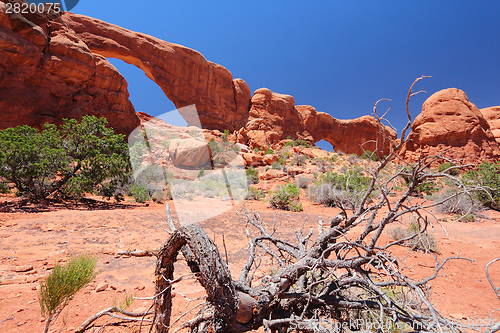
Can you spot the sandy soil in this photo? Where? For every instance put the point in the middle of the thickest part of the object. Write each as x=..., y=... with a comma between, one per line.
x=33, y=241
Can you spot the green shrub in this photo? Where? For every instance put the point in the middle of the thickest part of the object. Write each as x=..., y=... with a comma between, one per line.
x=353, y=159
x=335, y=190
x=277, y=165
x=417, y=240
x=215, y=147
x=4, y=188
x=149, y=183
x=140, y=193
x=165, y=144
x=427, y=188
x=194, y=133
x=368, y=155
x=297, y=142
x=352, y=180
x=488, y=176
x=466, y=218
x=460, y=204
x=443, y=167
x=252, y=175
x=282, y=160
x=78, y=158
x=303, y=143
x=286, y=197
x=269, y=151
x=407, y=174
x=254, y=193
x=200, y=173
x=159, y=197
x=63, y=282
x=299, y=160
x=225, y=135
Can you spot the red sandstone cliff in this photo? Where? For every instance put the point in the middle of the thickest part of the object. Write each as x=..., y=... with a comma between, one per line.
x=47, y=73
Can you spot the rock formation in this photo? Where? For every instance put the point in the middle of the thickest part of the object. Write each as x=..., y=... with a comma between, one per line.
x=451, y=124
x=47, y=73
x=55, y=67
x=274, y=116
x=353, y=136
x=184, y=75
x=492, y=116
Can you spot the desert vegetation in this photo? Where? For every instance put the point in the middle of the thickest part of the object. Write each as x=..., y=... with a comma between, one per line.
x=70, y=161
x=286, y=197
x=61, y=285
x=338, y=242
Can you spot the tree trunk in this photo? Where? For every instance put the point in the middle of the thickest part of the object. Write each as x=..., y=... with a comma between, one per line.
x=203, y=259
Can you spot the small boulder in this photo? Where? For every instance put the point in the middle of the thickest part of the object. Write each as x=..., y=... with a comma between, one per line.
x=101, y=287
x=191, y=153
x=252, y=159
x=272, y=174
x=269, y=159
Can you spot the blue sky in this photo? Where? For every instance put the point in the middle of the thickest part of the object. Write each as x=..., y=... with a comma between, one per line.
x=338, y=56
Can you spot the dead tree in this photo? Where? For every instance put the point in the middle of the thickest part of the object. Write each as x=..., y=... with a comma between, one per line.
x=336, y=282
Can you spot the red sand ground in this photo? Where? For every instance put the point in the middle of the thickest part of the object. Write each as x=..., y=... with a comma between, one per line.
x=32, y=242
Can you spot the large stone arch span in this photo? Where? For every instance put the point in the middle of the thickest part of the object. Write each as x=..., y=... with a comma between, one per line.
x=184, y=75
x=187, y=78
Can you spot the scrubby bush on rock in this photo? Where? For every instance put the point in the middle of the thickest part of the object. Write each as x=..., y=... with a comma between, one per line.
x=299, y=160
x=254, y=193
x=448, y=168
x=428, y=187
x=303, y=181
x=369, y=155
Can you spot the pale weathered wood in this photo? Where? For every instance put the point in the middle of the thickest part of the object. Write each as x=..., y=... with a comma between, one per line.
x=246, y=305
x=204, y=259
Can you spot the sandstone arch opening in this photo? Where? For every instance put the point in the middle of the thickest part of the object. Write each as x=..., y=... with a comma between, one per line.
x=325, y=145
x=146, y=95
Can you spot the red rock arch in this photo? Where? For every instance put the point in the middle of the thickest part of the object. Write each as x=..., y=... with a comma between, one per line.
x=184, y=75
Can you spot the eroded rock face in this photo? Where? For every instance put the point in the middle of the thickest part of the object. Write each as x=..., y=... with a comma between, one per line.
x=47, y=73
x=492, y=116
x=450, y=122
